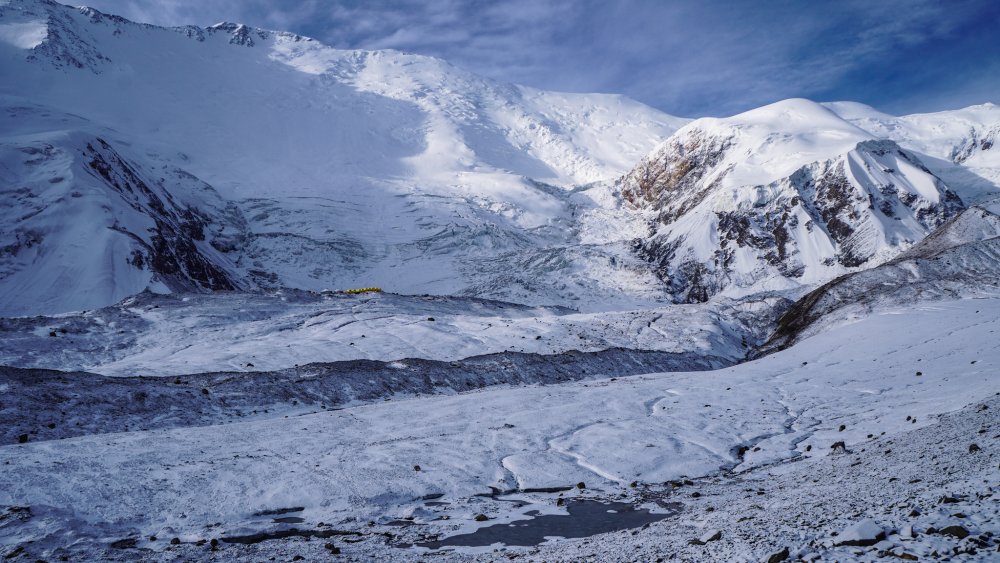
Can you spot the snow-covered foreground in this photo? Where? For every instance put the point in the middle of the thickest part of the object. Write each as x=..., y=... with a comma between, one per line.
x=871, y=379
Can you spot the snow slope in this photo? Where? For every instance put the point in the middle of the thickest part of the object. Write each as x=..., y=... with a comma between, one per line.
x=781, y=196
x=349, y=168
x=85, y=225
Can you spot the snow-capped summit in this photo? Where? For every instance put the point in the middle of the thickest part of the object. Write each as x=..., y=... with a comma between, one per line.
x=782, y=195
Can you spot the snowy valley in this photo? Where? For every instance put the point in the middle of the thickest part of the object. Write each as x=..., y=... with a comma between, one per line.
x=578, y=328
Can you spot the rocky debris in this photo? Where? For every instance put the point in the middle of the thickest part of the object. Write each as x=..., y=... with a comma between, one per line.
x=778, y=556
x=85, y=403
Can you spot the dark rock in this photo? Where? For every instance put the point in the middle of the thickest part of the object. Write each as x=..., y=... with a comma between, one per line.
x=778, y=556
x=955, y=531
x=22, y=439
x=581, y=485
x=416, y=468
x=481, y=518
x=126, y=543
x=861, y=534
x=712, y=536
x=973, y=448
x=332, y=549
x=175, y=541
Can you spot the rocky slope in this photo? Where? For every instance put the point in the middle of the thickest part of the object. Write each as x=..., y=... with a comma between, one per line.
x=785, y=195
x=959, y=260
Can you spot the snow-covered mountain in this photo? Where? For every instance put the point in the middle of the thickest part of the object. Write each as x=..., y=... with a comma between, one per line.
x=959, y=146
x=319, y=167
x=135, y=156
x=782, y=195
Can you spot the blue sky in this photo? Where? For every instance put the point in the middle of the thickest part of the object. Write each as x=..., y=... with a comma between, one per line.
x=688, y=57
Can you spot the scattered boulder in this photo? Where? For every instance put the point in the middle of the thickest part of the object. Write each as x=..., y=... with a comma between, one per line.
x=127, y=543
x=581, y=485
x=778, y=556
x=416, y=468
x=22, y=439
x=481, y=518
x=862, y=534
x=839, y=447
x=712, y=535
x=954, y=531
x=334, y=550
x=973, y=448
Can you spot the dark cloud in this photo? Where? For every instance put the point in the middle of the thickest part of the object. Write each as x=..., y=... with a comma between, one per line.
x=693, y=57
